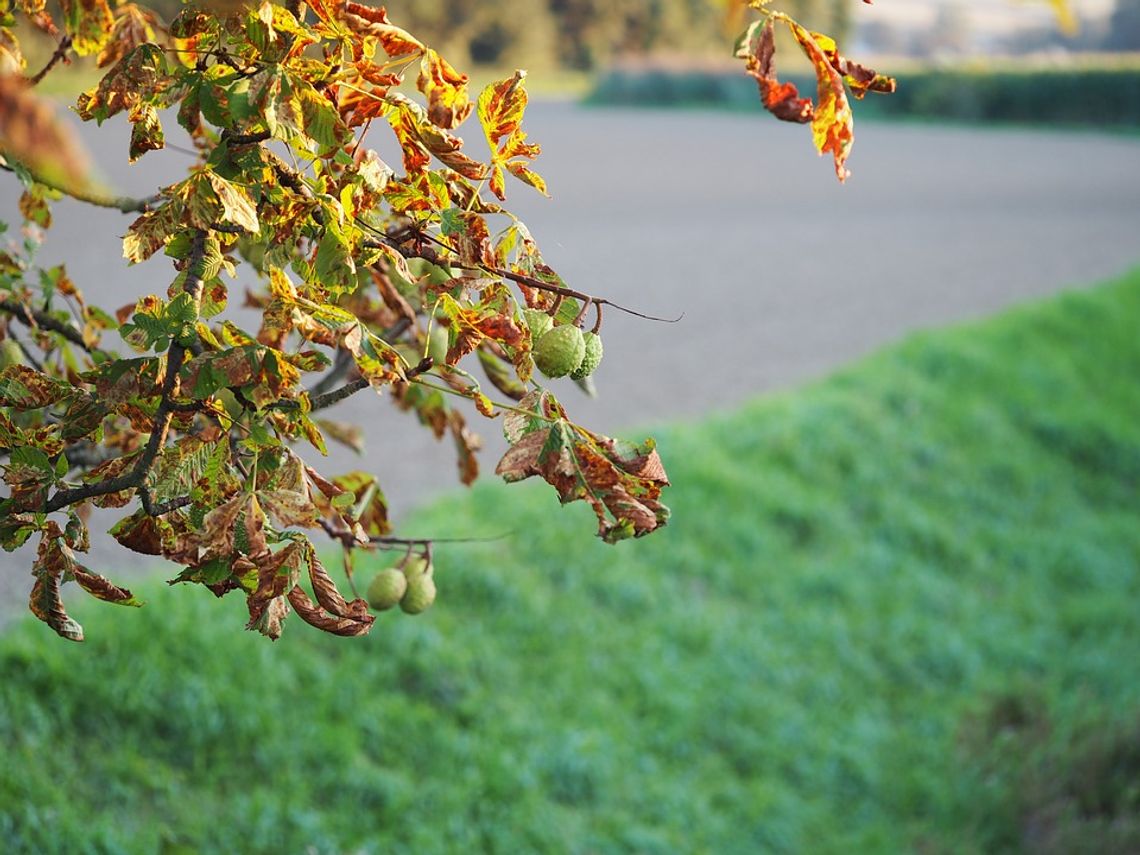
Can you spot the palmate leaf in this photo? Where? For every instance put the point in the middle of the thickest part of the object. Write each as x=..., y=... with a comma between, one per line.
x=501, y=108
x=620, y=481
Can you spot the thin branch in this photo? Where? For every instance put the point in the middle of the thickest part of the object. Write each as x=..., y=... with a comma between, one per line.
x=175, y=357
x=123, y=204
x=42, y=320
x=60, y=55
x=519, y=278
x=338, y=372
x=323, y=402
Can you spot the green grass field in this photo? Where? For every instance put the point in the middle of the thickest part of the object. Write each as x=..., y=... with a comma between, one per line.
x=895, y=611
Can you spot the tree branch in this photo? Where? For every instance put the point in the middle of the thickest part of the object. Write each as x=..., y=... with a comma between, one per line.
x=60, y=54
x=175, y=357
x=123, y=204
x=31, y=318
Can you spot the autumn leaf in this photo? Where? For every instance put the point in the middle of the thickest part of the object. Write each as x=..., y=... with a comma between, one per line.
x=446, y=91
x=31, y=134
x=90, y=24
x=373, y=22
x=620, y=481
x=758, y=49
x=501, y=107
x=832, y=126
x=859, y=78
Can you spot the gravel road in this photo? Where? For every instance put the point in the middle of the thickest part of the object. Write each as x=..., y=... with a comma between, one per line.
x=781, y=273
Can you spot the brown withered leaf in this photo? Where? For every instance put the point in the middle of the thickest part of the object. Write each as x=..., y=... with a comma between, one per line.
x=445, y=89
x=277, y=573
x=32, y=134
x=373, y=21
x=467, y=444
x=622, y=482
x=313, y=615
x=782, y=100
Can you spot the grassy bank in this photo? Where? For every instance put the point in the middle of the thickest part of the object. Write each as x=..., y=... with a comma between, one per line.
x=1079, y=96
x=896, y=610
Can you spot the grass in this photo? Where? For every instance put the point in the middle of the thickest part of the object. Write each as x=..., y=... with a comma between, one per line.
x=895, y=611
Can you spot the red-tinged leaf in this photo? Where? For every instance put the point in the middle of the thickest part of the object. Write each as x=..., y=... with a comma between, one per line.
x=32, y=134
x=859, y=78
x=25, y=388
x=311, y=614
x=445, y=89
x=370, y=21
x=90, y=24
x=757, y=47
x=620, y=481
x=492, y=318
x=137, y=77
x=832, y=125
x=501, y=107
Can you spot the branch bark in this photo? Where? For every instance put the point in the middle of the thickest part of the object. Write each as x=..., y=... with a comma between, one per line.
x=175, y=358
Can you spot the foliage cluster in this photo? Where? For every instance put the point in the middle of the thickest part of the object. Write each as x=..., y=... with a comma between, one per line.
x=888, y=606
x=399, y=280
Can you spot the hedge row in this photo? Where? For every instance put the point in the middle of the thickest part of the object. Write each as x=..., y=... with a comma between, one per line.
x=1108, y=97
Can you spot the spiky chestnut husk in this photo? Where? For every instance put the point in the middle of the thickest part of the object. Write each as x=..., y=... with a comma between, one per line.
x=386, y=589
x=591, y=360
x=559, y=351
x=420, y=594
x=538, y=321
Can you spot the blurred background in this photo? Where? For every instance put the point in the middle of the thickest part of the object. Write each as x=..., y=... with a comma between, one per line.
x=896, y=607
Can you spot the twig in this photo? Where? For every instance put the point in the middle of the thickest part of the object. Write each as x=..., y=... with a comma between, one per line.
x=60, y=54
x=175, y=358
x=31, y=318
x=519, y=278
